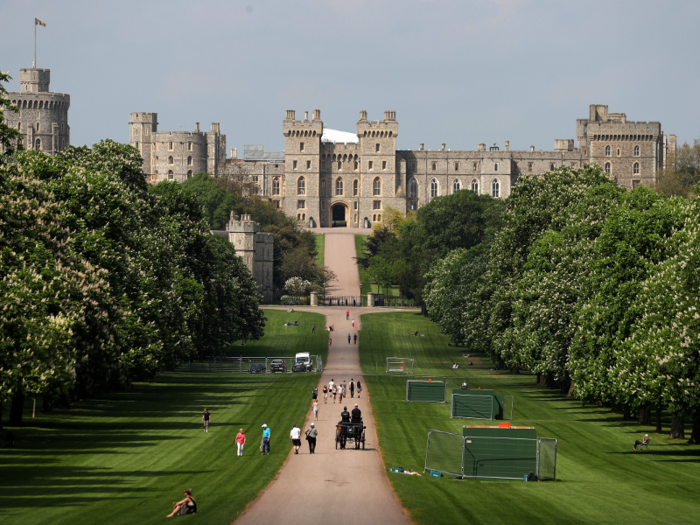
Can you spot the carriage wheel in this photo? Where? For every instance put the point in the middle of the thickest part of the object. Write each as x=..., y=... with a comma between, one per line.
x=336, y=439
x=363, y=441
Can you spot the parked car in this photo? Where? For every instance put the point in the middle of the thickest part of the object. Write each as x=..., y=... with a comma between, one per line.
x=278, y=365
x=257, y=368
x=301, y=366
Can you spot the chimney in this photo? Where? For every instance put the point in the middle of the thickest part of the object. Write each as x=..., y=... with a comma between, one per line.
x=215, y=127
x=389, y=115
x=196, y=127
x=443, y=147
x=234, y=153
x=290, y=114
x=422, y=147
x=532, y=149
x=306, y=116
x=482, y=147
x=363, y=114
x=507, y=145
x=317, y=114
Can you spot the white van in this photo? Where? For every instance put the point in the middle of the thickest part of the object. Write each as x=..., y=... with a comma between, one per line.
x=304, y=357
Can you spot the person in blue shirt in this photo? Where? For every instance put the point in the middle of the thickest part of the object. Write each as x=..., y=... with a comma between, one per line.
x=265, y=445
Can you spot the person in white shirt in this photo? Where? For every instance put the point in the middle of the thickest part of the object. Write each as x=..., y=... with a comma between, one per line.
x=295, y=438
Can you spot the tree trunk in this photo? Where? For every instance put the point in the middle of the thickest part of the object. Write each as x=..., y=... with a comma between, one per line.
x=571, y=389
x=644, y=416
x=16, y=410
x=626, y=410
x=515, y=370
x=677, y=427
x=543, y=379
x=538, y=378
x=695, y=436
x=658, y=420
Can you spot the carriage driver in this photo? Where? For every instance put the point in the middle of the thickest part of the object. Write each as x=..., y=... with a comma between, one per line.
x=356, y=414
x=345, y=415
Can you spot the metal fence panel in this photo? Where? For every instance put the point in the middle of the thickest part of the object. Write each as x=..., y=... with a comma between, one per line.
x=468, y=406
x=319, y=363
x=240, y=364
x=399, y=365
x=444, y=452
x=426, y=391
x=508, y=407
x=501, y=458
x=547, y=459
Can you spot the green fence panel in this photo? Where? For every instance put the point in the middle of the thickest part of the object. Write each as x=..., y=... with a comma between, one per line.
x=502, y=458
x=469, y=406
x=426, y=391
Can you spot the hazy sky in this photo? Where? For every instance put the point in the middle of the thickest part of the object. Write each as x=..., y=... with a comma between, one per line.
x=459, y=72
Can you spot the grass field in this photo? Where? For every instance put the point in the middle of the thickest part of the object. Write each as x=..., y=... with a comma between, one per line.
x=125, y=457
x=320, y=248
x=600, y=478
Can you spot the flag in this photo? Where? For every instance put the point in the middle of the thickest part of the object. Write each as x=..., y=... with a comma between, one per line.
x=38, y=22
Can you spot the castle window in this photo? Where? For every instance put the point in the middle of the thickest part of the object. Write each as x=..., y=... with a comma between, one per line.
x=308, y=164
x=608, y=168
x=301, y=146
x=38, y=127
x=170, y=146
x=495, y=188
x=475, y=186
x=323, y=187
x=276, y=186
x=377, y=186
x=376, y=205
x=434, y=189
x=277, y=204
x=170, y=175
x=38, y=144
x=379, y=217
x=551, y=167
x=339, y=187
x=434, y=166
x=495, y=167
x=301, y=186
x=154, y=178
x=383, y=164
x=354, y=205
x=376, y=148
x=456, y=166
x=635, y=168
x=189, y=146
x=19, y=126
x=189, y=174
x=371, y=165
x=413, y=189
x=474, y=167
x=294, y=164
x=456, y=186
x=137, y=145
x=374, y=218
x=618, y=152
x=170, y=160
x=636, y=151
x=301, y=205
x=355, y=187
x=323, y=205
x=189, y=159
x=607, y=151
x=529, y=167
x=255, y=178
x=357, y=165
x=340, y=165
x=635, y=183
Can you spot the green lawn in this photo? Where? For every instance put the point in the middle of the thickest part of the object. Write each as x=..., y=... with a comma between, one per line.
x=320, y=248
x=125, y=457
x=600, y=478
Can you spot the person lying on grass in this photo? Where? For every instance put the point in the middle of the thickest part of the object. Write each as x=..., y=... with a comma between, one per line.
x=185, y=506
x=645, y=442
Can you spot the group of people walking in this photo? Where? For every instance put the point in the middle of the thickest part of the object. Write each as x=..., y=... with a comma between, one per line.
x=341, y=390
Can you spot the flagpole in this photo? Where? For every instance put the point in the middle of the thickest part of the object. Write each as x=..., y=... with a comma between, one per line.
x=35, y=43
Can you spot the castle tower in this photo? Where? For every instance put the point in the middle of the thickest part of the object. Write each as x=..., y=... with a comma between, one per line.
x=142, y=129
x=256, y=250
x=42, y=119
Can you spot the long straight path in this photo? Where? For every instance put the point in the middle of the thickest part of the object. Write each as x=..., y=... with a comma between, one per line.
x=331, y=486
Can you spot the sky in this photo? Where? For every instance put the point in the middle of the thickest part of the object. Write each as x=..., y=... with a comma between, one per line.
x=458, y=72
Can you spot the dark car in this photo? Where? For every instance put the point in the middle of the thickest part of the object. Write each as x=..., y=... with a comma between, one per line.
x=301, y=366
x=257, y=368
x=278, y=365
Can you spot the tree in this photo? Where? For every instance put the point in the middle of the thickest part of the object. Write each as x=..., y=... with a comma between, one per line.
x=216, y=202
x=8, y=135
x=682, y=172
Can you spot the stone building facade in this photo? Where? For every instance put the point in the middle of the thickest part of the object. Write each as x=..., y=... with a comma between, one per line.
x=255, y=248
x=176, y=155
x=327, y=177
x=42, y=119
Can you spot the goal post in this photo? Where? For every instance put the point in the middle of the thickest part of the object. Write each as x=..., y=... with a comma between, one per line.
x=399, y=365
x=426, y=391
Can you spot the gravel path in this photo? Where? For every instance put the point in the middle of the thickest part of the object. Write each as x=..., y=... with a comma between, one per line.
x=331, y=486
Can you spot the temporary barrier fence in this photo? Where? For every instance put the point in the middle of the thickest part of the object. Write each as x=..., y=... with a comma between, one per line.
x=471, y=406
x=399, y=365
x=426, y=391
x=241, y=364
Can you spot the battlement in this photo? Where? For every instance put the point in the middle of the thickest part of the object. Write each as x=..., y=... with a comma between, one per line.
x=306, y=128
x=34, y=80
x=388, y=127
x=244, y=224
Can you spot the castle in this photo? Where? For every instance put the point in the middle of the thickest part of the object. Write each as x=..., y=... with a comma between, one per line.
x=325, y=177
x=42, y=119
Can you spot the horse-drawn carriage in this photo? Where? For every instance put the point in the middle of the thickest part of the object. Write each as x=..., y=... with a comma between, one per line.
x=350, y=432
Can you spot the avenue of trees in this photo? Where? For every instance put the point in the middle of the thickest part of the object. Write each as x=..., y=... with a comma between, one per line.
x=104, y=280
x=593, y=287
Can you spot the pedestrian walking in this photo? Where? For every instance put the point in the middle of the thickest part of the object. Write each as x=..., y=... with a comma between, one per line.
x=331, y=384
x=240, y=441
x=330, y=343
x=359, y=388
x=345, y=388
x=352, y=387
x=314, y=393
x=265, y=445
x=335, y=393
x=354, y=337
x=311, y=435
x=353, y=323
x=325, y=394
x=349, y=338
x=206, y=419
x=314, y=408
x=340, y=393
x=347, y=315
x=313, y=328
x=295, y=438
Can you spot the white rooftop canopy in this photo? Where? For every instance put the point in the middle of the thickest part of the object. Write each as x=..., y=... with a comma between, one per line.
x=335, y=136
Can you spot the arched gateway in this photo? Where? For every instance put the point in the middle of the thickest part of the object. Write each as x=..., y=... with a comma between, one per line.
x=340, y=215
